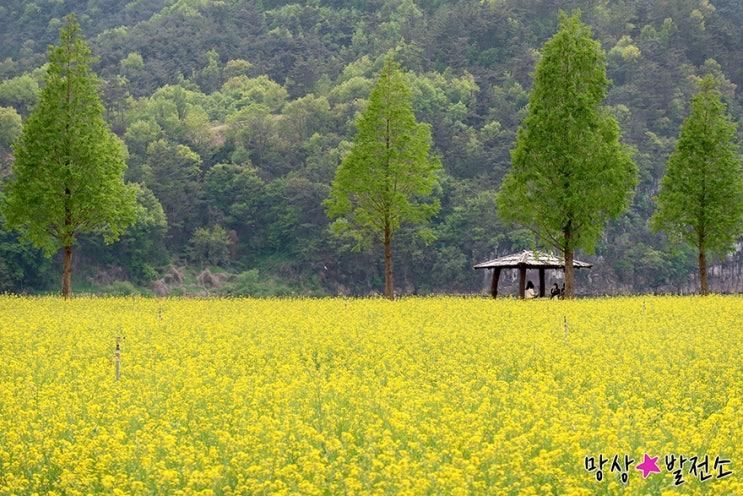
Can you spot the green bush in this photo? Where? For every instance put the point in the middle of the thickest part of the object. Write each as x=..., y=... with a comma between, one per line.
x=210, y=246
x=253, y=283
x=120, y=288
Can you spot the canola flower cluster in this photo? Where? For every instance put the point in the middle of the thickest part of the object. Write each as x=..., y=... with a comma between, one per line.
x=422, y=396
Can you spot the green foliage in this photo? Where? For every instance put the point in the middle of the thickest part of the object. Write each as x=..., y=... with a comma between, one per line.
x=298, y=222
x=253, y=131
x=172, y=174
x=177, y=112
x=210, y=246
x=22, y=266
x=701, y=195
x=21, y=92
x=256, y=284
x=141, y=249
x=570, y=173
x=237, y=67
x=648, y=267
x=68, y=170
x=242, y=91
x=304, y=117
x=233, y=195
x=119, y=288
x=132, y=62
x=389, y=174
x=10, y=127
x=274, y=128
x=138, y=137
x=210, y=77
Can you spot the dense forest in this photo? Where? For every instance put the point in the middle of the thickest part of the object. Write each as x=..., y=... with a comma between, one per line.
x=236, y=114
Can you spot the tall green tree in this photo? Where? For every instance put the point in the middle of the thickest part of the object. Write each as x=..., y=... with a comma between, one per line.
x=701, y=195
x=389, y=175
x=570, y=173
x=67, y=178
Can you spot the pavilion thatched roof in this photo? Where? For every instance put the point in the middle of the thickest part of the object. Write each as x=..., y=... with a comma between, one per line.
x=530, y=259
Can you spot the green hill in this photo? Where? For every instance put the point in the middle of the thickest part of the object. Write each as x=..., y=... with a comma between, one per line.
x=236, y=114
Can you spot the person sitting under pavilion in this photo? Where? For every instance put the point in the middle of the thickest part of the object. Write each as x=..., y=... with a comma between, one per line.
x=555, y=292
x=529, y=293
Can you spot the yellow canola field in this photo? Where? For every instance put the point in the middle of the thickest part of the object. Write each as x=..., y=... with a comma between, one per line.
x=441, y=396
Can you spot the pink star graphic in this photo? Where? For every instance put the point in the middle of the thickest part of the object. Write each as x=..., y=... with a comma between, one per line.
x=649, y=465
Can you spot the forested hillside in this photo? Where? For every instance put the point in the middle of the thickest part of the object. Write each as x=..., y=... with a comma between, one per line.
x=236, y=114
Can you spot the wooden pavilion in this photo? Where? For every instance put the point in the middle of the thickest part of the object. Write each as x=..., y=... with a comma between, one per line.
x=527, y=259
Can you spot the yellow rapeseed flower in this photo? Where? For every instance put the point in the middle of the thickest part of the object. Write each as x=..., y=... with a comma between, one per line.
x=422, y=396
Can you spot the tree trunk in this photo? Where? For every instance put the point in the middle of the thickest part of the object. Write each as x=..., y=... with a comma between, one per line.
x=67, y=240
x=569, y=253
x=569, y=273
x=704, y=286
x=67, y=272
x=389, y=286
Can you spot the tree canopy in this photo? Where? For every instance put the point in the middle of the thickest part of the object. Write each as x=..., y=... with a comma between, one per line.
x=701, y=195
x=388, y=176
x=570, y=172
x=268, y=94
x=67, y=177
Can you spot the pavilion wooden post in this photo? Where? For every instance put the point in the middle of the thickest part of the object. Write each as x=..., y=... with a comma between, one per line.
x=522, y=281
x=494, y=285
x=541, y=282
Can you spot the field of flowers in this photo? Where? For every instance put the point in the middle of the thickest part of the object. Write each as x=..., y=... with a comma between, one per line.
x=332, y=396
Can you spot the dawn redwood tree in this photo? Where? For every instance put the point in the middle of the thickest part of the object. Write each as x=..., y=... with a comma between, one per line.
x=388, y=177
x=68, y=174
x=570, y=173
x=701, y=195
